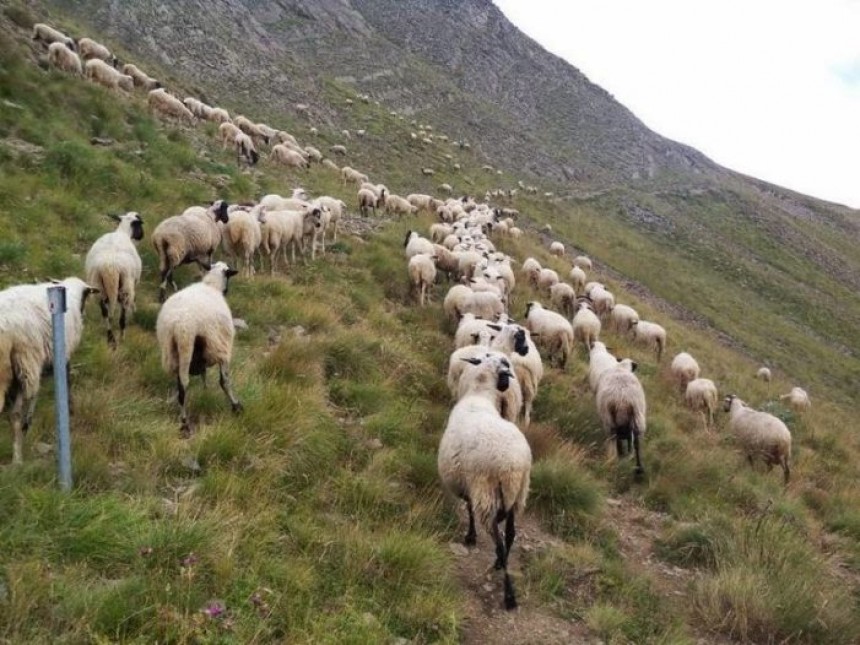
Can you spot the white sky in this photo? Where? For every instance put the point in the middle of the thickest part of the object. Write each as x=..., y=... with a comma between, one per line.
x=769, y=88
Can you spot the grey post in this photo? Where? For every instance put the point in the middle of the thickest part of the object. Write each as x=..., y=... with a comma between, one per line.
x=57, y=301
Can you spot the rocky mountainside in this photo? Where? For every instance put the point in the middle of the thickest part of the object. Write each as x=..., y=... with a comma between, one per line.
x=460, y=64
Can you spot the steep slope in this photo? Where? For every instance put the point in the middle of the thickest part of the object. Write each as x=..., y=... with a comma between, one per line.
x=316, y=516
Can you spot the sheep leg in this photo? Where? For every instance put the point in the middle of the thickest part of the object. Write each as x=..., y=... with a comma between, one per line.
x=18, y=430
x=227, y=386
x=619, y=446
x=103, y=305
x=181, y=397
x=471, y=536
x=639, y=469
x=502, y=555
x=786, y=470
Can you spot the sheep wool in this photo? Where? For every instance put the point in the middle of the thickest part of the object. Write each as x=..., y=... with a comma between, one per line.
x=26, y=347
x=113, y=266
x=761, y=435
x=485, y=460
x=195, y=331
x=622, y=408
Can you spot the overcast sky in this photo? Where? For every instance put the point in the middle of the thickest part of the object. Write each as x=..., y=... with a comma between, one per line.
x=770, y=88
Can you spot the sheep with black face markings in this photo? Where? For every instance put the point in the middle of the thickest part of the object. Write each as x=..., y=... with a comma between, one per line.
x=485, y=460
x=586, y=324
x=516, y=342
x=195, y=331
x=190, y=237
x=49, y=35
x=113, y=266
x=622, y=408
x=140, y=78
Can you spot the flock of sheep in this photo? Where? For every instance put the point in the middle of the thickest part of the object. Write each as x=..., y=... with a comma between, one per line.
x=495, y=368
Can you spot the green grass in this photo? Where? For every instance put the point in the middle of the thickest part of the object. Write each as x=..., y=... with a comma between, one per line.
x=316, y=515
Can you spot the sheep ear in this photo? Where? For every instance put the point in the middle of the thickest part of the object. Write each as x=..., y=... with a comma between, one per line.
x=634, y=366
x=114, y=217
x=495, y=327
x=231, y=272
x=473, y=361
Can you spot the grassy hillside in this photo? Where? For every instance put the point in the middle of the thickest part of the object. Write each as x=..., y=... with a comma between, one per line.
x=316, y=515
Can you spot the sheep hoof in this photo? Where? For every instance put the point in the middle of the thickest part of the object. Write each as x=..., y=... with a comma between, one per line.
x=639, y=472
x=470, y=540
x=237, y=407
x=186, y=430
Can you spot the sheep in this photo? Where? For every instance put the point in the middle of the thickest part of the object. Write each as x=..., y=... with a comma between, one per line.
x=366, y=201
x=348, y=174
x=484, y=304
x=99, y=71
x=764, y=374
x=515, y=232
x=583, y=262
x=546, y=279
x=577, y=278
x=623, y=318
x=563, y=298
x=586, y=325
x=167, y=105
x=599, y=360
x=508, y=403
x=195, y=331
x=421, y=201
x=398, y=205
x=604, y=301
x=702, y=396
x=684, y=369
x=470, y=326
x=313, y=154
x=338, y=149
x=140, y=78
x=190, y=237
x=242, y=236
x=26, y=347
x=415, y=244
x=552, y=330
x=485, y=460
x=196, y=107
x=64, y=59
x=49, y=35
x=218, y=115
x=337, y=209
x=452, y=305
x=446, y=188
x=621, y=407
x=113, y=266
x=651, y=335
x=428, y=172
x=91, y=50
x=422, y=274
x=227, y=132
x=314, y=131
x=245, y=149
x=532, y=269
x=798, y=400
x=328, y=163
x=284, y=228
x=557, y=249
x=288, y=157
x=760, y=434
x=250, y=128
x=516, y=342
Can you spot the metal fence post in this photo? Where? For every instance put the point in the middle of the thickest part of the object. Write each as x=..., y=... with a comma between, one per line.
x=57, y=302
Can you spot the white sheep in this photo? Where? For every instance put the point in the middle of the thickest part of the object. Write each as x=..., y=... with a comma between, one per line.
x=351, y=175
x=289, y=228
x=99, y=71
x=446, y=188
x=702, y=396
x=586, y=325
x=251, y=129
x=64, y=59
x=140, y=78
x=166, y=105
x=603, y=299
x=532, y=269
x=49, y=35
x=218, y=115
x=113, y=266
x=336, y=209
x=91, y=50
x=764, y=374
x=190, y=237
x=288, y=157
x=546, y=279
x=552, y=331
x=623, y=318
x=761, y=435
x=563, y=298
x=366, y=201
x=516, y=342
x=583, y=262
x=422, y=275
x=328, y=163
x=577, y=278
x=399, y=206
x=338, y=149
x=557, y=249
x=245, y=149
x=622, y=408
x=195, y=331
x=684, y=369
x=484, y=304
x=485, y=460
x=508, y=403
x=798, y=400
x=26, y=347
x=651, y=335
x=599, y=360
x=452, y=305
x=415, y=244
x=242, y=236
